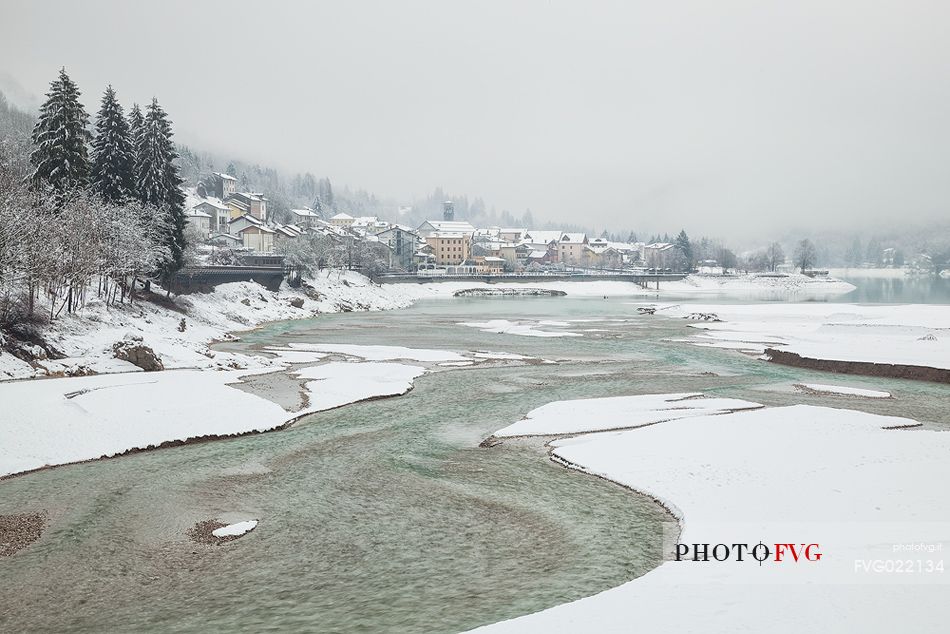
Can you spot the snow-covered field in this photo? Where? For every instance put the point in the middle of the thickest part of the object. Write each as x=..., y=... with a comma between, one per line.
x=917, y=334
x=866, y=494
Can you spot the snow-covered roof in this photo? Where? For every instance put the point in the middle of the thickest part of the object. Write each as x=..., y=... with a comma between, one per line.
x=625, y=246
x=542, y=237
x=459, y=226
x=305, y=213
x=196, y=213
x=342, y=216
x=212, y=202
x=491, y=258
x=226, y=237
x=224, y=176
x=601, y=248
x=260, y=228
x=250, y=219
x=659, y=246
x=447, y=234
x=572, y=238
x=394, y=227
x=287, y=230
x=255, y=196
x=537, y=255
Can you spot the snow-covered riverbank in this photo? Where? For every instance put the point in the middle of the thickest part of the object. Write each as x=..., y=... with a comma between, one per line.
x=908, y=335
x=792, y=285
x=179, y=331
x=854, y=484
x=86, y=339
x=63, y=420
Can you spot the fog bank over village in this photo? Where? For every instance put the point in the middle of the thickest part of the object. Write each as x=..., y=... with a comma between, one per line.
x=441, y=317
x=738, y=123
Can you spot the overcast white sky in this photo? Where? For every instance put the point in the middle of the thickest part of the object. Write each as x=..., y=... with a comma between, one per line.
x=718, y=116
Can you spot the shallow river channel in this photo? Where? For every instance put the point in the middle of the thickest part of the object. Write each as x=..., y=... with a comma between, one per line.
x=386, y=515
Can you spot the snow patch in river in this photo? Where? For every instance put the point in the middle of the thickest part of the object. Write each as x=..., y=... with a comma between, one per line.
x=847, y=391
x=338, y=383
x=235, y=530
x=378, y=353
x=618, y=412
x=527, y=328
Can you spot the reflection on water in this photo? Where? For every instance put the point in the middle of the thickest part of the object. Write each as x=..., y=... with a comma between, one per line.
x=899, y=290
x=385, y=515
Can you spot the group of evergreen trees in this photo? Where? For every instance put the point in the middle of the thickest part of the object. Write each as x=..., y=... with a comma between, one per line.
x=131, y=159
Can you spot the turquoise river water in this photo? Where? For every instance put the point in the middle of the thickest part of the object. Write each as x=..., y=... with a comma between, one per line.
x=386, y=515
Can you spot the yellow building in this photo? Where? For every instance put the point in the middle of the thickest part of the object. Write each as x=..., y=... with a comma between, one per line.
x=342, y=220
x=489, y=265
x=248, y=204
x=450, y=247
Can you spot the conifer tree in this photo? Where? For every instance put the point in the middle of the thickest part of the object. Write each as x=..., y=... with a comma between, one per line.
x=60, y=135
x=113, y=161
x=682, y=243
x=136, y=123
x=159, y=184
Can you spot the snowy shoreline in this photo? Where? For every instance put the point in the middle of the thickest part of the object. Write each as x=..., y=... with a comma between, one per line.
x=79, y=419
x=86, y=340
x=792, y=285
x=909, y=341
x=856, y=493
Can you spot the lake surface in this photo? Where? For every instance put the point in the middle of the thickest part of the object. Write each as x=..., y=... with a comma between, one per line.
x=386, y=515
x=898, y=290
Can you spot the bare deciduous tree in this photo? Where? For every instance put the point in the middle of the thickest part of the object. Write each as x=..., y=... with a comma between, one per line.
x=805, y=255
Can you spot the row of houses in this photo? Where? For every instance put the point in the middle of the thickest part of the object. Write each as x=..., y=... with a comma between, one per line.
x=451, y=243
x=436, y=247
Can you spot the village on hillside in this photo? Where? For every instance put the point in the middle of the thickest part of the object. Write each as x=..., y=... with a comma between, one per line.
x=239, y=223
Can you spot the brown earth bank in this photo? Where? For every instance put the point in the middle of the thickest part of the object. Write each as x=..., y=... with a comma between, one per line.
x=203, y=532
x=19, y=531
x=888, y=370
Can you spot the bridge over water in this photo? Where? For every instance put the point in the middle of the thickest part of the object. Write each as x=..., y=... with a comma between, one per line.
x=199, y=278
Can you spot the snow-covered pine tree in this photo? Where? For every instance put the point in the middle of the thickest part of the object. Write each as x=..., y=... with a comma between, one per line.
x=113, y=160
x=136, y=123
x=60, y=135
x=159, y=184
